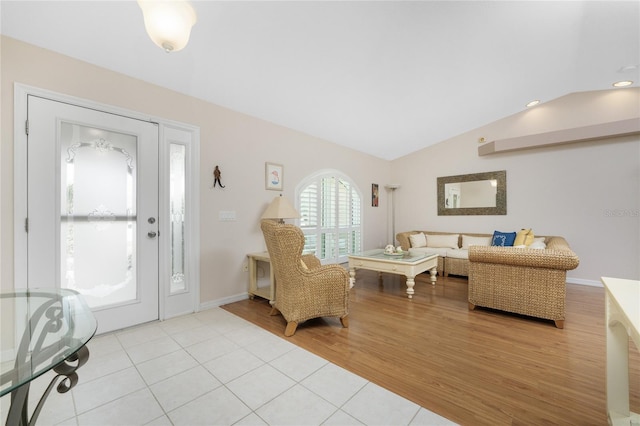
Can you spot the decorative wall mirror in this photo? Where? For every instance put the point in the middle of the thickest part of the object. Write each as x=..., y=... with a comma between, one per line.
x=474, y=194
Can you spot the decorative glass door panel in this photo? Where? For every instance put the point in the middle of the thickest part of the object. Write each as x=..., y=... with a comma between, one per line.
x=93, y=209
x=177, y=204
x=98, y=214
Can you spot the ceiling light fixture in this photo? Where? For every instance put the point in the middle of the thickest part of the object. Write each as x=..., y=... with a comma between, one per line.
x=168, y=22
x=533, y=103
x=623, y=83
x=627, y=68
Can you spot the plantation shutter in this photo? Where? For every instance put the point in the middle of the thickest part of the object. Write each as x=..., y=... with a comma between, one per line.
x=308, y=208
x=330, y=217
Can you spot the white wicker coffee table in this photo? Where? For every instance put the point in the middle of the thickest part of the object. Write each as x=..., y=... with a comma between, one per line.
x=407, y=264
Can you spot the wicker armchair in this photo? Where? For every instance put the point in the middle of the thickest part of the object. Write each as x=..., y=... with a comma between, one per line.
x=304, y=288
x=524, y=281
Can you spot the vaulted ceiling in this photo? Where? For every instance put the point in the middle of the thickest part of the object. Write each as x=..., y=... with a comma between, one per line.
x=383, y=77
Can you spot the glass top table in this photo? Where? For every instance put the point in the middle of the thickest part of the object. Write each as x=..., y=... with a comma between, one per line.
x=408, y=264
x=42, y=330
x=402, y=257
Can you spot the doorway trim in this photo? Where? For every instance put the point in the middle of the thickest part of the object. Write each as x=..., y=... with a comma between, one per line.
x=20, y=210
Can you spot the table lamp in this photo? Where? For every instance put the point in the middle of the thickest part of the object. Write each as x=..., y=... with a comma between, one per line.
x=280, y=209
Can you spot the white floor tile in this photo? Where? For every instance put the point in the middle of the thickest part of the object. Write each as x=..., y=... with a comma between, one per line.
x=251, y=420
x=335, y=384
x=104, y=345
x=210, y=349
x=215, y=316
x=160, y=421
x=195, y=335
x=213, y=368
x=104, y=365
x=69, y=422
x=247, y=334
x=153, y=349
x=166, y=366
x=233, y=365
x=270, y=347
x=296, y=406
x=223, y=322
x=4, y=409
x=340, y=418
x=218, y=407
x=298, y=363
x=180, y=324
x=376, y=405
x=260, y=386
x=429, y=418
x=140, y=334
x=137, y=408
x=98, y=392
x=184, y=387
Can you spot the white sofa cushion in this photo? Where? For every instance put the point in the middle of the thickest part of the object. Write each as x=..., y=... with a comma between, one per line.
x=458, y=254
x=418, y=240
x=440, y=251
x=537, y=245
x=446, y=241
x=468, y=240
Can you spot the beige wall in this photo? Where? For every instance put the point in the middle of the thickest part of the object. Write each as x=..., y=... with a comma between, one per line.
x=238, y=143
x=587, y=192
x=567, y=190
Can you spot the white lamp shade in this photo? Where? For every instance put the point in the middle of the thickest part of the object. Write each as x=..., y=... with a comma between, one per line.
x=280, y=208
x=168, y=22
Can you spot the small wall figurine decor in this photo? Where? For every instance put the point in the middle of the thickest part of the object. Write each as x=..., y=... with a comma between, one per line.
x=216, y=177
x=374, y=194
x=273, y=176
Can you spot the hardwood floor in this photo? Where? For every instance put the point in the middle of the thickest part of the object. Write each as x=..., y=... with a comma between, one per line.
x=475, y=368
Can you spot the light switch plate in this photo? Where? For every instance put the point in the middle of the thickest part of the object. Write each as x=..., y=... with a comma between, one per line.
x=227, y=215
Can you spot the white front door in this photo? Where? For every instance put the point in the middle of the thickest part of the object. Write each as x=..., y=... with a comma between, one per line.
x=92, y=201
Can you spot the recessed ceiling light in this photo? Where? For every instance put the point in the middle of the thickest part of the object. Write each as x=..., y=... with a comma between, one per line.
x=623, y=83
x=533, y=103
x=628, y=68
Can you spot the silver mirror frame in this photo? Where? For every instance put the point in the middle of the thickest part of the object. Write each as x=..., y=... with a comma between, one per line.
x=501, y=194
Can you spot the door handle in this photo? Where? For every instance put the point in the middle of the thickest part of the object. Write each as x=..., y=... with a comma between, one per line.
x=151, y=234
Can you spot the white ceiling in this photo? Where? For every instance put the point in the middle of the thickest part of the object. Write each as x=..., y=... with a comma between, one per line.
x=383, y=77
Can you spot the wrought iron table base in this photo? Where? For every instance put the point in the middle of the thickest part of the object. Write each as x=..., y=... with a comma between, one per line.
x=66, y=371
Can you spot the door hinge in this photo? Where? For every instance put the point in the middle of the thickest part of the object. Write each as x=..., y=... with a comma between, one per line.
x=26, y=127
x=26, y=224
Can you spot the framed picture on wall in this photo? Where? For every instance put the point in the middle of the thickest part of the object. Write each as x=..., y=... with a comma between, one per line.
x=374, y=195
x=273, y=178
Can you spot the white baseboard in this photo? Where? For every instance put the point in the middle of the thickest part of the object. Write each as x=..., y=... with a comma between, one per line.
x=224, y=301
x=177, y=314
x=581, y=281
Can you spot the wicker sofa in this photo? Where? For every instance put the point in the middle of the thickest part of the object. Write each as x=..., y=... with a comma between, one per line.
x=520, y=280
x=450, y=261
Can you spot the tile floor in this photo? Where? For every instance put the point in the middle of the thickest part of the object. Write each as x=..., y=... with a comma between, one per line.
x=214, y=368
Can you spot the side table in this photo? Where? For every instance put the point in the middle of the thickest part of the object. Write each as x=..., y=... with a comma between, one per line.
x=622, y=305
x=268, y=293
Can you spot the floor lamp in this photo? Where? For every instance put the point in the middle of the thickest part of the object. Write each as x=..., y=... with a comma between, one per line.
x=392, y=188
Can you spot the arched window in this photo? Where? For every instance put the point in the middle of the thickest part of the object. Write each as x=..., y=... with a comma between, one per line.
x=330, y=216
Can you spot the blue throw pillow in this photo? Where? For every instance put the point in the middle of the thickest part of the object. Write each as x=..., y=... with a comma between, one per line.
x=503, y=239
